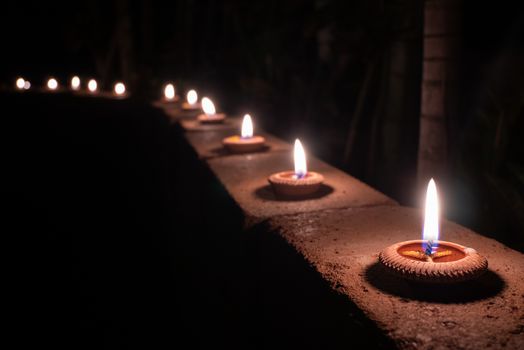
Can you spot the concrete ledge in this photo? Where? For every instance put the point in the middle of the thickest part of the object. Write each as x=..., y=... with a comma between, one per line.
x=245, y=178
x=343, y=245
x=209, y=144
x=313, y=259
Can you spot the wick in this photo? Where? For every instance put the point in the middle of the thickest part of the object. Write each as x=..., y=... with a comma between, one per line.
x=299, y=176
x=429, y=248
x=423, y=256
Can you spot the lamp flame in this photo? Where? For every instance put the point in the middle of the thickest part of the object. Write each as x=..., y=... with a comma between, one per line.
x=27, y=85
x=208, y=106
x=120, y=88
x=75, y=83
x=169, y=92
x=92, y=85
x=20, y=82
x=52, y=84
x=431, y=219
x=247, y=127
x=300, y=160
x=192, y=97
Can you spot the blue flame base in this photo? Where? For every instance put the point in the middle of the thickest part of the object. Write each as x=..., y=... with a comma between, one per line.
x=430, y=248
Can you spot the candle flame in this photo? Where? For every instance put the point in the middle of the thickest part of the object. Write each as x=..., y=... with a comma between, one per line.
x=208, y=106
x=300, y=160
x=52, y=84
x=247, y=127
x=75, y=83
x=169, y=92
x=20, y=82
x=192, y=97
x=27, y=85
x=92, y=85
x=431, y=217
x=120, y=88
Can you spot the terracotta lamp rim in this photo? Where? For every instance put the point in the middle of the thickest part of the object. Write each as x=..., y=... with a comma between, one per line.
x=450, y=264
x=237, y=144
x=215, y=118
x=284, y=183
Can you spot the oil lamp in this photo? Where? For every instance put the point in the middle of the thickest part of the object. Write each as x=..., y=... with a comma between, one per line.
x=52, y=84
x=75, y=83
x=210, y=116
x=246, y=142
x=298, y=183
x=119, y=89
x=191, y=102
x=92, y=86
x=431, y=260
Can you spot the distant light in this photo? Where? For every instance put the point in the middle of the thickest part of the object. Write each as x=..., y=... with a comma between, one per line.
x=192, y=97
x=75, y=83
x=52, y=84
x=247, y=127
x=208, y=106
x=92, y=85
x=169, y=92
x=20, y=82
x=27, y=85
x=120, y=88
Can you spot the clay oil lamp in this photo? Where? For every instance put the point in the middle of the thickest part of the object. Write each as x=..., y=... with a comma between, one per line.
x=169, y=94
x=430, y=260
x=298, y=183
x=246, y=142
x=52, y=84
x=119, y=90
x=75, y=83
x=210, y=116
x=191, y=103
x=92, y=86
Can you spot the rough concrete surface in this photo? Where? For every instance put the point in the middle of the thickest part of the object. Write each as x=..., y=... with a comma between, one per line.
x=245, y=178
x=209, y=144
x=343, y=246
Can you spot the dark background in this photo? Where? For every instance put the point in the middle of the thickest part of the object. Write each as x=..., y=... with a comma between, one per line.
x=299, y=67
